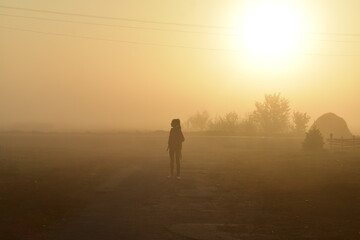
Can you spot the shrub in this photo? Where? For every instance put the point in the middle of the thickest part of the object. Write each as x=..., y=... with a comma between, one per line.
x=198, y=121
x=314, y=140
x=228, y=123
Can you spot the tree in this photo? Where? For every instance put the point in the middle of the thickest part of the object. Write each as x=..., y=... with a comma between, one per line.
x=248, y=125
x=300, y=122
x=272, y=115
x=230, y=122
x=314, y=140
x=198, y=121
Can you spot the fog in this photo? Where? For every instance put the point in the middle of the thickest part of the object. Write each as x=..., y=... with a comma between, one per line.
x=58, y=83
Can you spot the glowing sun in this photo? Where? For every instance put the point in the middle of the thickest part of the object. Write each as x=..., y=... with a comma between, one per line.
x=271, y=30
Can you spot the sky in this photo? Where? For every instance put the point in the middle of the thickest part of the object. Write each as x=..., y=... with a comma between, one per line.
x=82, y=83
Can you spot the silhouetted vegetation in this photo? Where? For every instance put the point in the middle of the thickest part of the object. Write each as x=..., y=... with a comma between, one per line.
x=314, y=140
x=300, y=122
x=230, y=122
x=271, y=117
x=198, y=121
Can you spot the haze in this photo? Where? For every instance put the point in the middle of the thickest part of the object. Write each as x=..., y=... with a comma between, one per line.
x=78, y=84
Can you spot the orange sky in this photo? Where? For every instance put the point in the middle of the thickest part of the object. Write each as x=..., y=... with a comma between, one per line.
x=82, y=83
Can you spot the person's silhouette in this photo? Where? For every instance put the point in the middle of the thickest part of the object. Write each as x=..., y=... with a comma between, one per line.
x=176, y=138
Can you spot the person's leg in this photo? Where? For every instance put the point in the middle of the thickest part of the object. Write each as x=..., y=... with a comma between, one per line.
x=178, y=156
x=172, y=156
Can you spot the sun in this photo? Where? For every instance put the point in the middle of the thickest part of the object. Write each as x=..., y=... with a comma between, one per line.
x=271, y=30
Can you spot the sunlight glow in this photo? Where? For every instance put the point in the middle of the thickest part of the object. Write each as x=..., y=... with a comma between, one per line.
x=271, y=30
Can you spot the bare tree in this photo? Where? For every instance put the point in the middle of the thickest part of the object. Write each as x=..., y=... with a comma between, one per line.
x=272, y=115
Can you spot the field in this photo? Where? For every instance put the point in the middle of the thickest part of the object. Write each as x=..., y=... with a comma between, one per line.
x=114, y=186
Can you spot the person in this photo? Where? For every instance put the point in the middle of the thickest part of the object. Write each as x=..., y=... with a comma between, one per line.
x=176, y=138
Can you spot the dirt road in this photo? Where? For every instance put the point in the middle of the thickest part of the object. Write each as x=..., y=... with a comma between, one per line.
x=139, y=202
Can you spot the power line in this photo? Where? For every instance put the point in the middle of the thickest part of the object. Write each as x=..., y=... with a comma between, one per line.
x=336, y=34
x=339, y=41
x=116, y=18
x=115, y=25
x=150, y=21
x=115, y=40
x=331, y=55
x=161, y=29
x=159, y=44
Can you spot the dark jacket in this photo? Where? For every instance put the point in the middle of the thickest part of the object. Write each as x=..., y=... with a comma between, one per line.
x=176, y=138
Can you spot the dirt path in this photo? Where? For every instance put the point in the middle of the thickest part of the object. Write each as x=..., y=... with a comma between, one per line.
x=139, y=202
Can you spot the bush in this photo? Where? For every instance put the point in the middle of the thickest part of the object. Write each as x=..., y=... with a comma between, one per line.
x=228, y=123
x=314, y=140
x=198, y=121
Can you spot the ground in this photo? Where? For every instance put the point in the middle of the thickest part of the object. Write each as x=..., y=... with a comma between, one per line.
x=114, y=186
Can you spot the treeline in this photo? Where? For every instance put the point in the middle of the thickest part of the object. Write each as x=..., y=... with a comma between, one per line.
x=272, y=116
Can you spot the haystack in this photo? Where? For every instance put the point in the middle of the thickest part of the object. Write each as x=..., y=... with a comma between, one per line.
x=330, y=123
